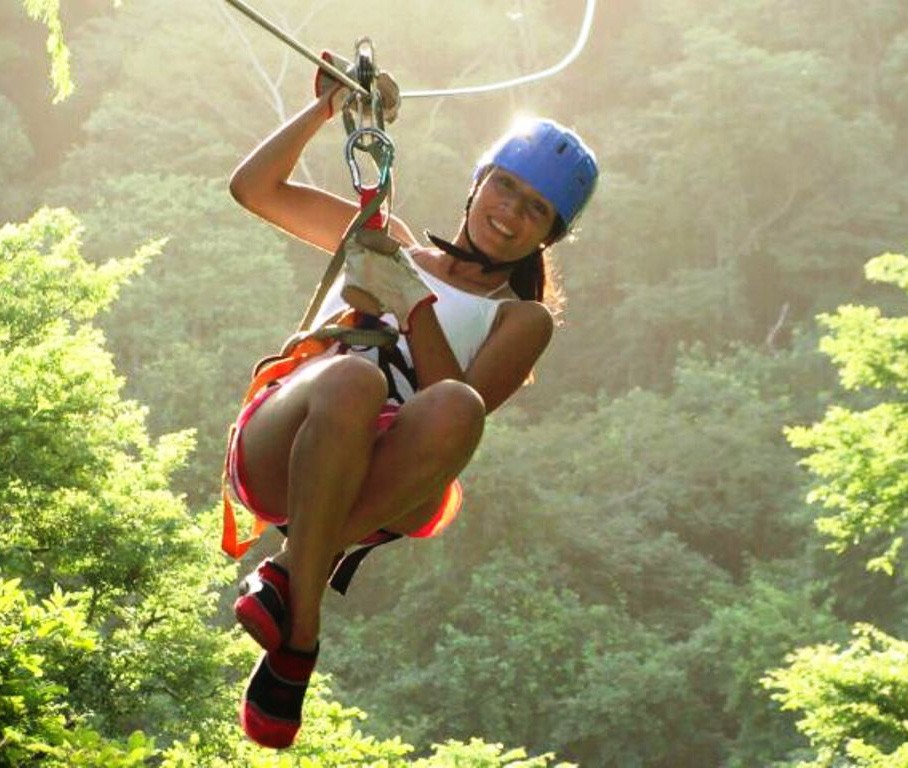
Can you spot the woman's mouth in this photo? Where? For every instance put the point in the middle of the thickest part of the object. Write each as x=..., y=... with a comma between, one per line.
x=500, y=228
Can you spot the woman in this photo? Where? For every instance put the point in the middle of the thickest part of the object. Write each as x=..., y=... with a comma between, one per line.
x=344, y=449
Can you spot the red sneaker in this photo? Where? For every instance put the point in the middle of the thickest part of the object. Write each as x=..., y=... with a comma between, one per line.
x=262, y=605
x=272, y=707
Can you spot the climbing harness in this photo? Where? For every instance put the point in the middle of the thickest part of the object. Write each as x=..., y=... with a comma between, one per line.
x=579, y=44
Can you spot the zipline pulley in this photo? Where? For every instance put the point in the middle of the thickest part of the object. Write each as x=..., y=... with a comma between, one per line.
x=364, y=108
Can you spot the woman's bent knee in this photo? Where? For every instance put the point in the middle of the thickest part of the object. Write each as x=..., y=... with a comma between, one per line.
x=349, y=382
x=457, y=413
x=460, y=395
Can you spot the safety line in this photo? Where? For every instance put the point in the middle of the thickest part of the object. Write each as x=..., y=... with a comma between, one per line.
x=297, y=46
x=579, y=45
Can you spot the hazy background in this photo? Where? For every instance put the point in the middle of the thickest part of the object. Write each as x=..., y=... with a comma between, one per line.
x=635, y=550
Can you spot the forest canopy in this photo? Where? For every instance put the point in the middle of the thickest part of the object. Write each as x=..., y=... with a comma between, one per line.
x=681, y=546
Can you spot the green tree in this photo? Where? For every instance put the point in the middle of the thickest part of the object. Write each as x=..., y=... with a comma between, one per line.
x=860, y=457
x=48, y=12
x=85, y=491
x=187, y=332
x=853, y=699
x=38, y=725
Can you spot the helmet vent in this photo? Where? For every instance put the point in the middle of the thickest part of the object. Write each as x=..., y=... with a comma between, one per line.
x=561, y=147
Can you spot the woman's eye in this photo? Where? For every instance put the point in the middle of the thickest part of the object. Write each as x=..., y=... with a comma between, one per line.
x=539, y=210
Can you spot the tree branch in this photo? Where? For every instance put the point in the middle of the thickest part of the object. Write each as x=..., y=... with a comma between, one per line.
x=770, y=341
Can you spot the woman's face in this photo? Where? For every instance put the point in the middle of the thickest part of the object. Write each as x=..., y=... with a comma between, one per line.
x=508, y=218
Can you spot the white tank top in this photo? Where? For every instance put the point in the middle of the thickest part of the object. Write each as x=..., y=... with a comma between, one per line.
x=465, y=318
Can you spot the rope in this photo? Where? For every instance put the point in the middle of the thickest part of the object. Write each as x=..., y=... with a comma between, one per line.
x=579, y=45
x=297, y=46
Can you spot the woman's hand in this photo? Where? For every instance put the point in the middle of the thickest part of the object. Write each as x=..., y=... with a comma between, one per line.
x=262, y=184
x=384, y=81
x=379, y=277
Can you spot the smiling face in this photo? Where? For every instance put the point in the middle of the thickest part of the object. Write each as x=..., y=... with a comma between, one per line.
x=508, y=218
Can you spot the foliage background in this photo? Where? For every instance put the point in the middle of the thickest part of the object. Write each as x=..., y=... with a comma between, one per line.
x=637, y=550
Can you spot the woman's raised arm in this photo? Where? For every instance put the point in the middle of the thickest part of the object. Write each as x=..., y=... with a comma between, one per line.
x=261, y=183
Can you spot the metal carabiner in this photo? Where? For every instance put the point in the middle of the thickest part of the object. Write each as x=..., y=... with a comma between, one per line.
x=380, y=148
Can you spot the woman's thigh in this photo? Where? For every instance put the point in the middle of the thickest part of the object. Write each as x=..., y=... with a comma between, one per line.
x=341, y=388
x=429, y=443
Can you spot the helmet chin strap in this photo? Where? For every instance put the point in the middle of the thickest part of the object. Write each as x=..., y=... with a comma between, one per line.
x=475, y=254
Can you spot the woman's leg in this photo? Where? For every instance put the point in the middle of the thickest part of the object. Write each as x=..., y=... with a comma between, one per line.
x=314, y=456
x=306, y=451
x=311, y=454
x=430, y=442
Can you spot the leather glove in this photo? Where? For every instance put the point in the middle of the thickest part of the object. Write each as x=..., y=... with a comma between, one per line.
x=386, y=84
x=379, y=277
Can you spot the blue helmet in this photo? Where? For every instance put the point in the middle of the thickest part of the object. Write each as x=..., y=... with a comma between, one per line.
x=550, y=158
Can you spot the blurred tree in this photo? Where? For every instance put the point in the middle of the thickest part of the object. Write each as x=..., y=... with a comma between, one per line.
x=778, y=610
x=14, y=161
x=737, y=136
x=640, y=542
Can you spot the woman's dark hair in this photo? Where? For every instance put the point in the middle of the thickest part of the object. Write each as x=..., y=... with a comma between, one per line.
x=534, y=278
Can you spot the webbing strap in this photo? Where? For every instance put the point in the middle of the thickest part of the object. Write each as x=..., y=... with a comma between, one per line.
x=333, y=269
x=371, y=199
x=347, y=565
x=231, y=543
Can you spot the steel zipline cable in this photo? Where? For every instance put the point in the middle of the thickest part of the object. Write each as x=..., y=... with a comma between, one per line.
x=297, y=46
x=579, y=44
x=582, y=37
